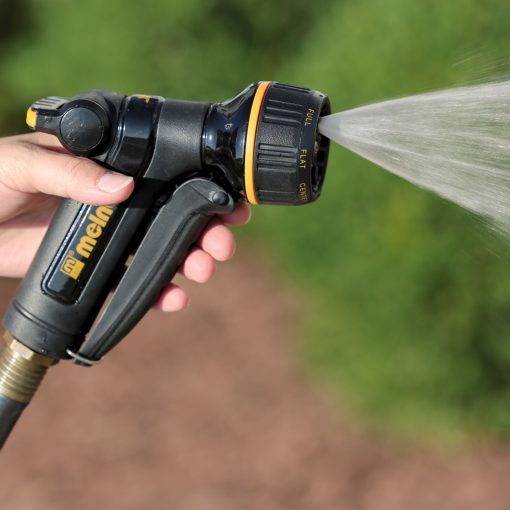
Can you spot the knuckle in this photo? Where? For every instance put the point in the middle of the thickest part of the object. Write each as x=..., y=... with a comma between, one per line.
x=21, y=150
x=79, y=172
x=77, y=167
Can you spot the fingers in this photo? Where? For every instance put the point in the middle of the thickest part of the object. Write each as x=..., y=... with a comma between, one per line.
x=172, y=299
x=218, y=241
x=240, y=216
x=216, y=244
x=199, y=266
x=30, y=168
x=45, y=140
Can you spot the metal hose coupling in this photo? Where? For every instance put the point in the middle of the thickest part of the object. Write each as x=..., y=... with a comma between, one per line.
x=21, y=372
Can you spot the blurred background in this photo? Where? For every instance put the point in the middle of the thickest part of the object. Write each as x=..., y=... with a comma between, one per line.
x=359, y=356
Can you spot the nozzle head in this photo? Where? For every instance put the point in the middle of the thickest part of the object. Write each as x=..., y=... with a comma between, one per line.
x=267, y=145
x=290, y=155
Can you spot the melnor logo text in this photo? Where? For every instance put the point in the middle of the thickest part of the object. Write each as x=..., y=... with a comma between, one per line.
x=76, y=258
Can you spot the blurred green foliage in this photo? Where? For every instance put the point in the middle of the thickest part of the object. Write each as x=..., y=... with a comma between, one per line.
x=412, y=297
x=409, y=299
x=194, y=49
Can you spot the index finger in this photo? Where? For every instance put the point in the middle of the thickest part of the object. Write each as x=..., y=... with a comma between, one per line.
x=240, y=216
x=44, y=140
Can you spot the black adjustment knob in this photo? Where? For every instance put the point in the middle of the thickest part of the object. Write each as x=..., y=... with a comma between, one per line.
x=81, y=124
x=290, y=154
x=81, y=130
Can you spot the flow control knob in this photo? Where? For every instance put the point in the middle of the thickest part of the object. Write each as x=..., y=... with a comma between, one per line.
x=81, y=125
x=81, y=129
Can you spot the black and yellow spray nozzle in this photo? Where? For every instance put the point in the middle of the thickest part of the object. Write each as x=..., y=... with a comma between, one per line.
x=190, y=161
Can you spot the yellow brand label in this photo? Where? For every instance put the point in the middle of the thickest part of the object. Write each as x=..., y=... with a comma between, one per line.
x=71, y=266
x=94, y=230
x=86, y=240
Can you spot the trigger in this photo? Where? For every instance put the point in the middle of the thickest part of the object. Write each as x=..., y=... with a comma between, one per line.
x=176, y=227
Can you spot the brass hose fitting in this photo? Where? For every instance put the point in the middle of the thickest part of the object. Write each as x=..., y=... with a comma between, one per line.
x=21, y=371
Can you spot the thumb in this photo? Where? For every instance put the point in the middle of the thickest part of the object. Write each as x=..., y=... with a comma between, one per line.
x=30, y=168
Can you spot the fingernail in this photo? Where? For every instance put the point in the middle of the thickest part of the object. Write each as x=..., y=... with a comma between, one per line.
x=110, y=182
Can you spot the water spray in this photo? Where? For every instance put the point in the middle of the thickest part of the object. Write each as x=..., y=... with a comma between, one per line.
x=191, y=161
x=452, y=142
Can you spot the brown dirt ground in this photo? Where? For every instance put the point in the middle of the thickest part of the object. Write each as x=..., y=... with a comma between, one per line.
x=208, y=409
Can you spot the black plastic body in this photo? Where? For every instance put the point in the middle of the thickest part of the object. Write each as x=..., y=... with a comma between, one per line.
x=224, y=138
x=169, y=149
x=188, y=160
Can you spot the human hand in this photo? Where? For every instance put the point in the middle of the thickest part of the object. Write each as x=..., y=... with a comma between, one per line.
x=36, y=172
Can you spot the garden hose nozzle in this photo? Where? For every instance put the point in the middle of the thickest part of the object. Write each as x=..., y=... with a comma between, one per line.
x=190, y=161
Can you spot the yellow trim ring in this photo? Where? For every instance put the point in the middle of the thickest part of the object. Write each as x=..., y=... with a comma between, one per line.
x=249, y=155
x=31, y=118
